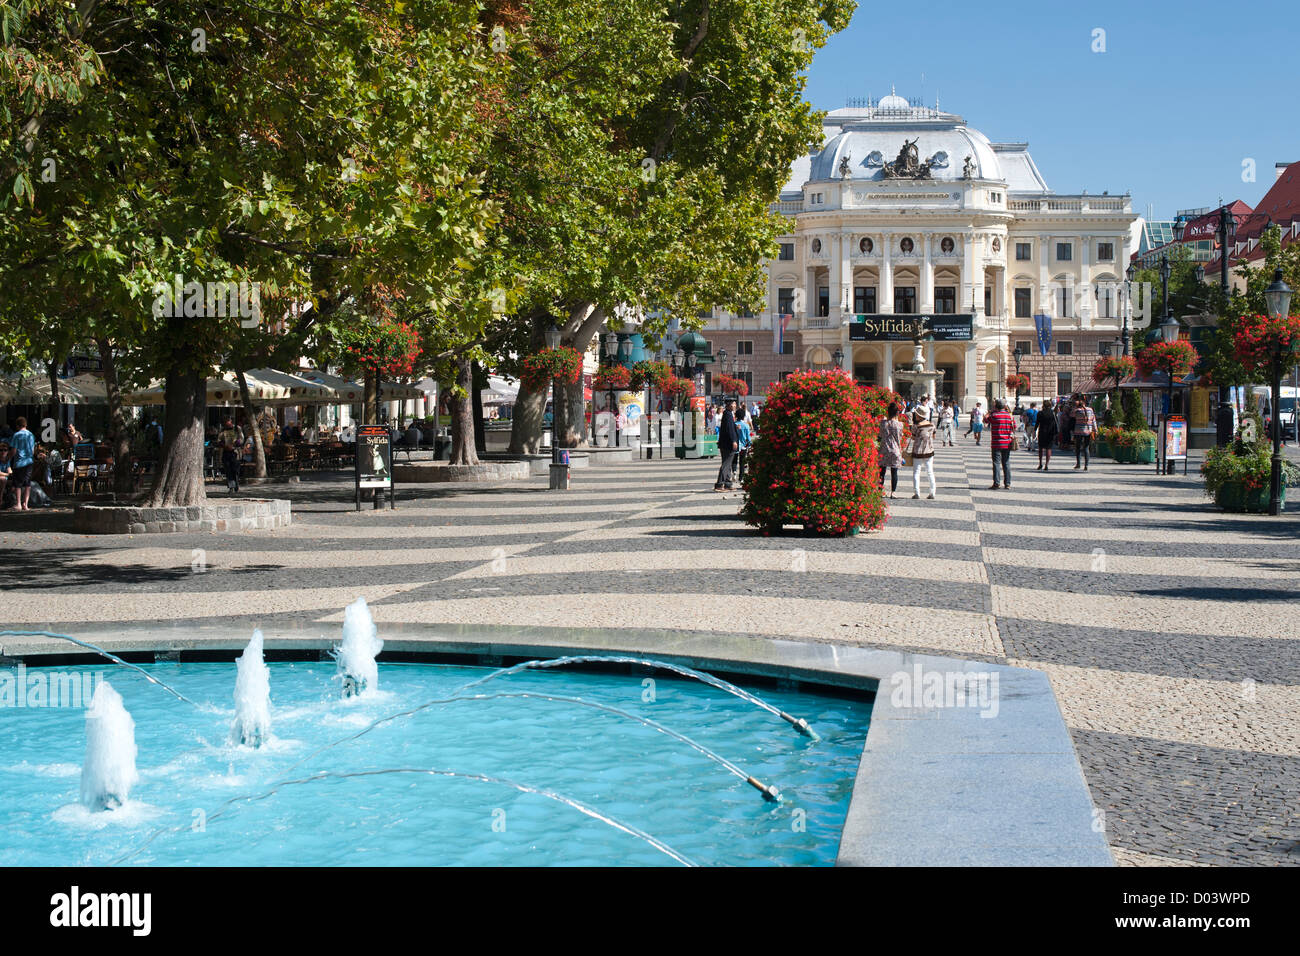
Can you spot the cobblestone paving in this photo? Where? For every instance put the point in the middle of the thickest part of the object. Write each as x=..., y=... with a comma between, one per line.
x=1169, y=630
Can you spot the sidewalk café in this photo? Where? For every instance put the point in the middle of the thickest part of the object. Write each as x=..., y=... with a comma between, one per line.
x=304, y=420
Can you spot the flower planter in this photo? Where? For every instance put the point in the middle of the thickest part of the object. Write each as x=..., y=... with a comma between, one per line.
x=1124, y=454
x=1235, y=496
x=1101, y=449
x=1145, y=455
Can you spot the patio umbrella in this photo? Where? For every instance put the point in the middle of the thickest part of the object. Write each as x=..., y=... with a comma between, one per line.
x=220, y=391
x=81, y=390
x=500, y=391
x=348, y=392
x=300, y=390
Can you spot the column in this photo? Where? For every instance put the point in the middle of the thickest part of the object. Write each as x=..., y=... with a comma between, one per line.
x=929, y=365
x=846, y=347
x=1044, y=303
x=1086, y=301
x=845, y=290
x=831, y=245
x=886, y=303
x=889, y=365
x=967, y=272
x=926, y=292
x=970, y=376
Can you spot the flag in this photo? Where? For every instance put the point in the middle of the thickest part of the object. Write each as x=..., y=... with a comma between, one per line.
x=1043, y=323
x=778, y=331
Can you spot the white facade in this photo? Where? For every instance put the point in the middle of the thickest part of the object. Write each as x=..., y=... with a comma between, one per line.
x=974, y=232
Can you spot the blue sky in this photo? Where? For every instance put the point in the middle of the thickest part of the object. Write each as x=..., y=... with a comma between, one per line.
x=1153, y=114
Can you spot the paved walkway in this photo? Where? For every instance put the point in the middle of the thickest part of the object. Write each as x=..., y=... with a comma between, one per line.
x=1169, y=630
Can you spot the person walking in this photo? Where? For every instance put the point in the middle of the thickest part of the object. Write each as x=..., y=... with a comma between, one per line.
x=1001, y=428
x=23, y=444
x=976, y=422
x=229, y=440
x=1046, y=438
x=922, y=452
x=746, y=439
x=1031, y=426
x=891, y=447
x=947, y=429
x=1085, y=427
x=728, y=443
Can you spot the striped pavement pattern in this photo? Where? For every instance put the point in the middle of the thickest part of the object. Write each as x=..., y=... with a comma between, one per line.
x=1168, y=629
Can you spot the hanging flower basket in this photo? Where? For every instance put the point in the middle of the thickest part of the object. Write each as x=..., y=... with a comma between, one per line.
x=563, y=364
x=1257, y=337
x=389, y=347
x=1172, y=358
x=612, y=378
x=651, y=373
x=678, y=389
x=1118, y=367
x=815, y=458
x=731, y=385
x=1017, y=383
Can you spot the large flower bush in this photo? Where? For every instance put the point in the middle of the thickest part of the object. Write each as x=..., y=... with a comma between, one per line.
x=730, y=385
x=537, y=370
x=877, y=399
x=1257, y=336
x=1247, y=460
x=651, y=373
x=612, y=377
x=814, y=461
x=1176, y=358
x=1118, y=367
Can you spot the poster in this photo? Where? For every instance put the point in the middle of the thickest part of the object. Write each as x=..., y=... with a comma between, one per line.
x=374, y=456
x=1175, y=438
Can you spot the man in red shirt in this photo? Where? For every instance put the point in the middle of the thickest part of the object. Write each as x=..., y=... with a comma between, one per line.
x=1001, y=427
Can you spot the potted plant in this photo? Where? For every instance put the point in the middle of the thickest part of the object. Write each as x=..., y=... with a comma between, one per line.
x=815, y=458
x=614, y=378
x=731, y=385
x=1237, y=476
x=563, y=364
x=1018, y=385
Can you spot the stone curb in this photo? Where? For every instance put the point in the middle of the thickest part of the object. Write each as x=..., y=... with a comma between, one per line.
x=240, y=514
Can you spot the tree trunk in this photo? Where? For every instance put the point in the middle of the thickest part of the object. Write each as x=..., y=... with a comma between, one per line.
x=52, y=371
x=526, y=420
x=250, y=414
x=123, y=480
x=179, y=481
x=571, y=420
x=463, y=451
x=480, y=381
x=370, y=404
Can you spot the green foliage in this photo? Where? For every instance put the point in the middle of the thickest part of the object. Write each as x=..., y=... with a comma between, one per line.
x=1133, y=418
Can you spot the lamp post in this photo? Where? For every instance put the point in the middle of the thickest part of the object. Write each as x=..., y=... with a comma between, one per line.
x=1130, y=272
x=1227, y=232
x=553, y=342
x=611, y=353
x=1017, y=353
x=1168, y=333
x=722, y=370
x=837, y=357
x=1278, y=297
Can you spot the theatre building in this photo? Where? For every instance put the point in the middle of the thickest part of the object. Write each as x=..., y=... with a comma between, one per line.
x=906, y=214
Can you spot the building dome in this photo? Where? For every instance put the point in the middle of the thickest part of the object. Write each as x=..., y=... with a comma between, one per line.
x=893, y=102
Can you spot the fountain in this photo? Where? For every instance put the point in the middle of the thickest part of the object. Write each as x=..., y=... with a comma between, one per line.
x=108, y=772
x=356, y=655
x=918, y=373
x=252, y=696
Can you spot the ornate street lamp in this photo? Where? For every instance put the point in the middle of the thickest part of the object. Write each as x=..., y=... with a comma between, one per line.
x=1131, y=273
x=722, y=368
x=1278, y=297
x=1017, y=353
x=1199, y=272
x=838, y=357
x=552, y=337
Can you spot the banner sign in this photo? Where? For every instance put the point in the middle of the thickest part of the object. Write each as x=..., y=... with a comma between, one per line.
x=374, y=456
x=884, y=327
x=1043, y=323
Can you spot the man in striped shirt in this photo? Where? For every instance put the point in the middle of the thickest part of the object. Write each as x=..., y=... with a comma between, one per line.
x=1001, y=427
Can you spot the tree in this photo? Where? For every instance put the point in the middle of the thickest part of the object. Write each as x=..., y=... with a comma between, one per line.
x=1222, y=361
x=306, y=184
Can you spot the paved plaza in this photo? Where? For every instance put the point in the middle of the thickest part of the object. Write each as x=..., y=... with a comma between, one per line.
x=1168, y=629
